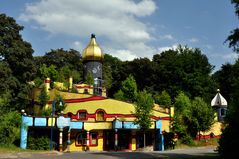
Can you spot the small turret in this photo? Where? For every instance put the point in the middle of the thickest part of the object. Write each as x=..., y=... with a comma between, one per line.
x=219, y=103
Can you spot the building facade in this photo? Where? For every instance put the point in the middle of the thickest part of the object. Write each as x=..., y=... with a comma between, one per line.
x=91, y=121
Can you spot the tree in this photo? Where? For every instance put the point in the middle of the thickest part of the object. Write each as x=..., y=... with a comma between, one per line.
x=59, y=104
x=17, y=55
x=182, y=105
x=10, y=123
x=163, y=99
x=90, y=78
x=143, y=110
x=229, y=140
x=129, y=89
x=43, y=97
x=233, y=38
x=189, y=72
x=200, y=117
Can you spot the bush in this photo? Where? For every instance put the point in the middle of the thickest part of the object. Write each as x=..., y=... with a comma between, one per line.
x=10, y=128
x=187, y=140
x=39, y=143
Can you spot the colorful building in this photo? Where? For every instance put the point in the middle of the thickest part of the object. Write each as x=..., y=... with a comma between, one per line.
x=91, y=121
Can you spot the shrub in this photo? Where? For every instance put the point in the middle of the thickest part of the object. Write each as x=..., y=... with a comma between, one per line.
x=39, y=143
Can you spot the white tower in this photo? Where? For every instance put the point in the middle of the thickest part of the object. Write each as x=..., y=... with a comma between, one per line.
x=219, y=103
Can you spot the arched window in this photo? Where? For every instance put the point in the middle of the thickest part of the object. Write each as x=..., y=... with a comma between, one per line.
x=69, y=115
x=81, y=139
x=100, y=116
x=223, y=112
x=93, y=139
x=82, y=115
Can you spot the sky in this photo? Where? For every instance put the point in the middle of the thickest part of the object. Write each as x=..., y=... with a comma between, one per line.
x=127, y=29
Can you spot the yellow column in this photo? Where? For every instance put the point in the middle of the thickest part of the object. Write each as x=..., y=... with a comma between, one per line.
x=70, y=83
x=47, y=84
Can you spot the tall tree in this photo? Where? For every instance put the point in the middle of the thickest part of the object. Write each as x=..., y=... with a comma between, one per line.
x=128, y=89
x=189, y=72
x=199, y=118
x=143, y=110
x=163, y=99
x=182, y=105
x=229, y=141
x=17, y=53
x=233, y=38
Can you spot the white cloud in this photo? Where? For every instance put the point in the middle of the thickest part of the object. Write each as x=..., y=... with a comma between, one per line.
x=168, y=37
x=165, y=48
x=117, y=21
x=193, y=40
x=225, y=56
x=230, y=56
x=77, y=46
x=124, y=55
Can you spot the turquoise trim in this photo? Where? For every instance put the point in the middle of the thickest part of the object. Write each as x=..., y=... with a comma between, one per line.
x=28, y=121
x=117, y=124
x=130, y=125
x=23, y=131
x=76, y=125
x=159, y=125
x=40, y=122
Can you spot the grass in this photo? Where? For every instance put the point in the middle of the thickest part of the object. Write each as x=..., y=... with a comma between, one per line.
x=15, y=149
x=198, y=143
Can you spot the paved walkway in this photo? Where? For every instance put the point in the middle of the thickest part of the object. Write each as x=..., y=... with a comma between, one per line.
x=178, y=153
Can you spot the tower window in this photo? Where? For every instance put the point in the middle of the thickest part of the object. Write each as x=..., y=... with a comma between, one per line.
x=223, y=112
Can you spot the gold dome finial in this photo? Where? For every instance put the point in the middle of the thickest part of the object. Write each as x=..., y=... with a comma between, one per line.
x=92, y=52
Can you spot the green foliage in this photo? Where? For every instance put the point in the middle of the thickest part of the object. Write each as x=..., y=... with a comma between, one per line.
x=59, y=103
x=191, y=117
x=182, y=103
x=229, y=140
x=189, y=72
x=89, y=78
x=128, y=91
x=49, y=72
x=10, y=127
x=74, y=90
x=16, y=62
x=43, y=97
x=187, y=140
x=143, y=109
x=38, y=143
x=233, y=38
x=119, y=95
x=163, y=99
x=46, y=112
x=38, y=82
x=200, y=118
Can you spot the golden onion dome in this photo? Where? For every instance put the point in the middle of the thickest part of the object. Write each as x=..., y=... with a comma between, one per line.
x=92, y=51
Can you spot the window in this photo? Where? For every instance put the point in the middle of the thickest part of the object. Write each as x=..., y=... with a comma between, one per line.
x=100, y=116
x=81, y=139
x=69, y=115
x=223, y=112
x=86, y=91
x=82, y=115
x=93, y=139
